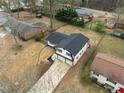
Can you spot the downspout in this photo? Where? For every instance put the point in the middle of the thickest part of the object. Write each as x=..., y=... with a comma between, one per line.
x=72, y=58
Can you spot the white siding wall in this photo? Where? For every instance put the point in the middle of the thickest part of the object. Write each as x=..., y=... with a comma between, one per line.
x=81, y=52
x=62, y=56
x=63, y=53
x=62, y=59
x=50, y=44
x=103, y=80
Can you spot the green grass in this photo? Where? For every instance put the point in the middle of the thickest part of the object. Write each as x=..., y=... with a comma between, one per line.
x=94, y=36
x=113, y=46
x=110, y=45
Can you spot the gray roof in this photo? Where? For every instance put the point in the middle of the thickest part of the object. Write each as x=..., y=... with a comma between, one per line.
x=56, y=37
x=4, y=14
x=29, y=29
x=11, y=23
x=3, y=18
x=84, y=11
x=40, y=25
x=22, y=29
x=73, y=43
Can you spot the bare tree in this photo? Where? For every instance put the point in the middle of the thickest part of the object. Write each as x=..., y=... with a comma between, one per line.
x=18, y=8
x=51, y=13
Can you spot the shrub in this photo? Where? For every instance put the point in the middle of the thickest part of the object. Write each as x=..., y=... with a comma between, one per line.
x=70, y=16
x=78, y=22
x=100, y=27
x=66, y=15
x=122, y=36
x=39, y=37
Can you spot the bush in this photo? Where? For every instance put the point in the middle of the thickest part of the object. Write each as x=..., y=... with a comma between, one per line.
x=39, y=37
x=122, y=36
x=100, y=27
x=70, y=16
x=78, y=22
x=66, y=14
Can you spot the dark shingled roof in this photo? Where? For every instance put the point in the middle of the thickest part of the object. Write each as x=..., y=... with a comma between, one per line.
x=56, y=37
x=73, y=43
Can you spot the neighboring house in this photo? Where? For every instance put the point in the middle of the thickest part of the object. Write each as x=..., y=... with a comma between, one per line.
x=86, y=13
x=24, y=30
x=108, y=71
x=29, y=32
x=112, y=22
x=68, y=49
x=120, y=23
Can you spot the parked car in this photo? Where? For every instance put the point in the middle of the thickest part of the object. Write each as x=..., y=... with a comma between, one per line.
x=39, y=14
x=119, y=34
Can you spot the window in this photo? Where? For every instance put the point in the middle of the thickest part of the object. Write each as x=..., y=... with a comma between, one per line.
x=68, y=54
x=95, y=73
x=107, y=86
x=76, y=57
x=59, y=50
x=112, y=81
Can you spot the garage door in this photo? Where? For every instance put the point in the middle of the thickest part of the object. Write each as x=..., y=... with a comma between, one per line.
x=61, y=58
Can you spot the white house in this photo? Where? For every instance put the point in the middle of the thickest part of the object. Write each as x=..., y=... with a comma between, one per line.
x=108, y=71
x=70, y=48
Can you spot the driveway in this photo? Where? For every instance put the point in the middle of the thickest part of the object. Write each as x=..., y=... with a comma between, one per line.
x=50, y=80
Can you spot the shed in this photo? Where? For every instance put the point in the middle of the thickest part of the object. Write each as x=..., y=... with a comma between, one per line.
x=86, y=13
x=109, y=66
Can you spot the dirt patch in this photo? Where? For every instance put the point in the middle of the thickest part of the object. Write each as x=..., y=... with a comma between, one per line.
x=22, y=67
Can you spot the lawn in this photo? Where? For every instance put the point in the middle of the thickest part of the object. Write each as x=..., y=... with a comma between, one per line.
x=110, y=45
x=113, y=46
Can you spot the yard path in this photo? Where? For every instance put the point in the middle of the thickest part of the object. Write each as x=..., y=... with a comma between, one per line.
x=50, y=80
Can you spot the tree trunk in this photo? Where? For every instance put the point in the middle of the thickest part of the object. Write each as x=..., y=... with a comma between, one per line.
x=18, y=9
x=51, y=14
